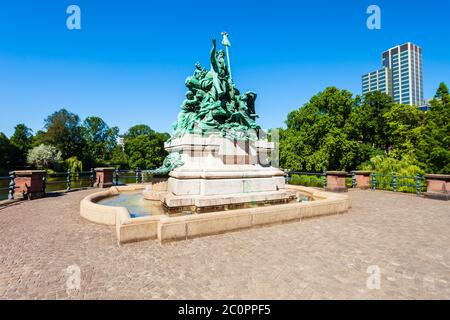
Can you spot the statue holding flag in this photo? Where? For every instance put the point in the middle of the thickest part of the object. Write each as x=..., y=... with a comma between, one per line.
x=213, y=101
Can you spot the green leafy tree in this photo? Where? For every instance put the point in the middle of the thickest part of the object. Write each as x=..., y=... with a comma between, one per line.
x=315, y=138
x=433, y=148
x=38, y=138
x=139, y=130
x=74, y=165
x=100, y=140
x=44, y=156
x=6, y=151
x=64, y=132
x=144, y=147
x=21, y=140
x=442, y=91
x=403, y=124
x=119, y=158
x=367, y=124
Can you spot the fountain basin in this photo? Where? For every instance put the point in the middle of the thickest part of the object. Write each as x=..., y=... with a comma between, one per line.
x=165, y=228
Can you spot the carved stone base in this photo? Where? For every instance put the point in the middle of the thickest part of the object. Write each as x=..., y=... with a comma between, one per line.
x=220, y=174
x=159, y=183
x=201, y=204
x=336, y=181
x=362, y=179
x=28, y=184
x=104, y=177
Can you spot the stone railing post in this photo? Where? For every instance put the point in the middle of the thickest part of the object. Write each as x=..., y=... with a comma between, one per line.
x=362, y=179
x=438, y=186
x=336, y=181
x=27, y=183
x=104, y=177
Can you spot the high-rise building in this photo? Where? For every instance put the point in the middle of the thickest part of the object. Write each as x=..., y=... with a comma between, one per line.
x=379, y=80
x=404, y=64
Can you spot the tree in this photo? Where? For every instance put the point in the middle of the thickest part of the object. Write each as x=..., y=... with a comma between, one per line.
x=119, y=158
x=403, y=123
x=100, y=140
x=74, y=165
x=44, y=156
x=64, y=132
x=139, y=130
x=38, y=138
x=433, y=148
x=6, y=150
x=315, y=140
x=144, y=147
x=21, y=140
x=441, y=91
x=367, y=124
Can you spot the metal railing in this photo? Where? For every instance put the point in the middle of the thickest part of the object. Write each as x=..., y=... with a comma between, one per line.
x=390, y=182
x=6, y=185
x=398, y=183
x=138, y=175
x=68, y=181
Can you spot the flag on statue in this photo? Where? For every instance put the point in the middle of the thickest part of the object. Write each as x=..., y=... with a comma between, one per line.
x=225, y=40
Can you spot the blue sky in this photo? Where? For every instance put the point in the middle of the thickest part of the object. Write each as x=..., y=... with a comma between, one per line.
x=129, y=61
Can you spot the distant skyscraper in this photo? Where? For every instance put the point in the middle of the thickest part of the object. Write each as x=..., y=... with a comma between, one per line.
x=404, y=65
x=379, y=80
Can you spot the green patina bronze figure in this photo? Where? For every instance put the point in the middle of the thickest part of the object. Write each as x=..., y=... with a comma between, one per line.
x=213, y=103
x=172, y=161
x=186, y=118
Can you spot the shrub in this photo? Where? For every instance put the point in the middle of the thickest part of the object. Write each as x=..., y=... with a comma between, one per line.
x=306, y=180
x=74, y=165
x=43, y=156
x=385, y=168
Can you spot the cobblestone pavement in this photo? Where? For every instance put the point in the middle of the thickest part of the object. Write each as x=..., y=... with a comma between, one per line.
x=405, y=237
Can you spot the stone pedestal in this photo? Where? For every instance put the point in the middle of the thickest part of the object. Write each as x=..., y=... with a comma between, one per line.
x=438, y=186
x=336, y=181
x=219, y=173
x=157, y=189
x=104, y=177
x=28, y=184
x=159, y=183
x=362, y=179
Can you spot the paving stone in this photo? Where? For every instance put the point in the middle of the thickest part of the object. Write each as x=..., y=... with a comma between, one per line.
x=406, y=236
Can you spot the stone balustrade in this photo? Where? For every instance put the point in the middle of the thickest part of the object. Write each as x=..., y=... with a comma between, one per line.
x=28, y=184
x=438, y=186
x=362, y=179
x=336, y=181
x=104, y=177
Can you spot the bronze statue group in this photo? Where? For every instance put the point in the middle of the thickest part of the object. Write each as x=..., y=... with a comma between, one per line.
x=213, y=103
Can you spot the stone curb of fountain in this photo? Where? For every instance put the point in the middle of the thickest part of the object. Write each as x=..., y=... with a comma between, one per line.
x=165, y=229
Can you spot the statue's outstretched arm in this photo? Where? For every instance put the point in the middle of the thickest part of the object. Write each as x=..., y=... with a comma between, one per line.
x=213, y=57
